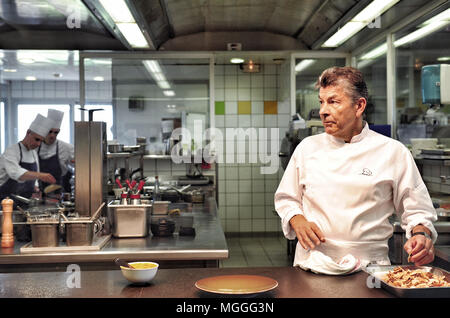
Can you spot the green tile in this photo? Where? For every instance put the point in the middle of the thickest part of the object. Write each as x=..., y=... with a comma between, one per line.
x=220, y=108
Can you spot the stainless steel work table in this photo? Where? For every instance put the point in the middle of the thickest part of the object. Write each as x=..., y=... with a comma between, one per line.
x=205, y=249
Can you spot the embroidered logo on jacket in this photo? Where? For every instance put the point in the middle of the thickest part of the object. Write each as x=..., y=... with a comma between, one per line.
x=366, y=172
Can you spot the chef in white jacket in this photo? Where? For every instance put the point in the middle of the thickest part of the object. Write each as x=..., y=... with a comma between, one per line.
x=55, y=155
x=341, y=186
x=19, y=164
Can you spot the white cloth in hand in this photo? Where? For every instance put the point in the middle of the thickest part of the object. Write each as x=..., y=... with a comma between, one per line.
x=320, y=263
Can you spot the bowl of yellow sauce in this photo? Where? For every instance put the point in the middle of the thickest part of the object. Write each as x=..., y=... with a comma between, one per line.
x=142, y=272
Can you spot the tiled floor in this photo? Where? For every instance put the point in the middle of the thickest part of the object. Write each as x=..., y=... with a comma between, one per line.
x=263, y=250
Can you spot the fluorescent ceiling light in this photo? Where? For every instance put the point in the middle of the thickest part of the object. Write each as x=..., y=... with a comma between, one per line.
x=133, y=34
x=118, y=10
x=443, y=58
x=26, y=60
x=431, y=25
x=98, y=79
x=420, y=33
x=30, y=78
x=304, y=64
x=156, y=72
x=237, y=60
x=363, y=18
x=163, y=84
x=10, y=70
x=169, y=93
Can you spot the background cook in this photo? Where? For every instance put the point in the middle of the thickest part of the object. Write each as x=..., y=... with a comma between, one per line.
x=55, y=155
x=341, y=186
x=19, y=164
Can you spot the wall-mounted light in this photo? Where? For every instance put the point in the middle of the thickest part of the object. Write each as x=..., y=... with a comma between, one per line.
x=237, y=60
x=30, y=78
x=10, y=70
x=98, y=78
x=443, y=58
x=359, y=21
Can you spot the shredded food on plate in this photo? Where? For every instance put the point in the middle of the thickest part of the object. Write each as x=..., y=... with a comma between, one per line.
x=414, y=278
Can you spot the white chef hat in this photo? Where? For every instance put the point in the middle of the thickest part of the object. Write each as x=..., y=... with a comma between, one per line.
x=41, y=125
x=56, y=116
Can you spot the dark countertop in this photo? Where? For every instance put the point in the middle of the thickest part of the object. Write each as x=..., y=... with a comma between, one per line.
x=180, y=283
x=208, y=244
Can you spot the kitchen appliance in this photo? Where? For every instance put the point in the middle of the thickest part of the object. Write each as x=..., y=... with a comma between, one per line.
x=435, y=81
x=162, y=227
x=90, y=166
x=129, y=220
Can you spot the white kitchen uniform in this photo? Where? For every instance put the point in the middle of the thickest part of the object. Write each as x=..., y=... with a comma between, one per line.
x=9, y=162
x=349, y=190
x=65, y=153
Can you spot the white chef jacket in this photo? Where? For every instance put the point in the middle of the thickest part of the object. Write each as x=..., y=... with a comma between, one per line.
x=65, y=153
x=9, y=162
x=349, y=190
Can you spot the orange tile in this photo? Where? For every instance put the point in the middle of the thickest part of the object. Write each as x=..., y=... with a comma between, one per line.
x=270, y=107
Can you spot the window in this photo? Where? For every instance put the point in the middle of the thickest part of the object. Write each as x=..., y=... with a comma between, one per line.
x=105, y=115
x=26, y=113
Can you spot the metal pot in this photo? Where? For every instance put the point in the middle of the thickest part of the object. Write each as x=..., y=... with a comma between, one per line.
x=114, y=148
x=80, y=231
x=195, y=196
x=44, y=231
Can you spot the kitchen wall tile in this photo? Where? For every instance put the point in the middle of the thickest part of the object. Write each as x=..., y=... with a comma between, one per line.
x=230, y=82
x=28, y=86
x=245, y=172
x=230, y=94
x=232, y=212
x=257, y=94
x=219, y=121
x=284, y=107
x=257, y=81
x=270, y=93
x=270, y=107
x=273, y=225
x=245, y=225
x=219, y=94
x=258, y=186
x=232, y=225
x=283, y=121
x=270, y=121
x=258, y=225
x=257, y=107
x=232, y=173
x=38, y=93
x=270, y=212
x=231, y=107
x=269, y=199
x=244, y=94
x=258, y=210
x=256, y=173
x=232, y=199
x=257, y=121
x=244, y=107
x=270, y=81
x=270, y=69
x=245, y=199
x=231, y=121
x=245, y=212
x=232, y=186
x=244, y=81
x=219, y=69
x=257, y=198
x=244, y=121
x=231, y=69
x=245, y=185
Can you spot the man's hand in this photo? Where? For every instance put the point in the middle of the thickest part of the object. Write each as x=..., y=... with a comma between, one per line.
x=47, y=177
x=308, y=233
x=420, y=250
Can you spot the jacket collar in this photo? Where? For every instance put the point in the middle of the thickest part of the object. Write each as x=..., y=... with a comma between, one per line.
x=364, y=132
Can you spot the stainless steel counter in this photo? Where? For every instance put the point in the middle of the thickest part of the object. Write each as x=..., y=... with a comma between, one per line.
x=204, y=249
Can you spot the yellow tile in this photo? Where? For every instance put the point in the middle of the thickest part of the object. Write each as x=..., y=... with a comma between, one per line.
x=244, y=107
x=270, y=107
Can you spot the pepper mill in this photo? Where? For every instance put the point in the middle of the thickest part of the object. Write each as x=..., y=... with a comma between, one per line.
x=7, y=226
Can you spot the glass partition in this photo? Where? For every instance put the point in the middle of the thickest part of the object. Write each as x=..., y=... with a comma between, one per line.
x=426, y=41
x=372, y=64
x=149, y=97
x=307, y=71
